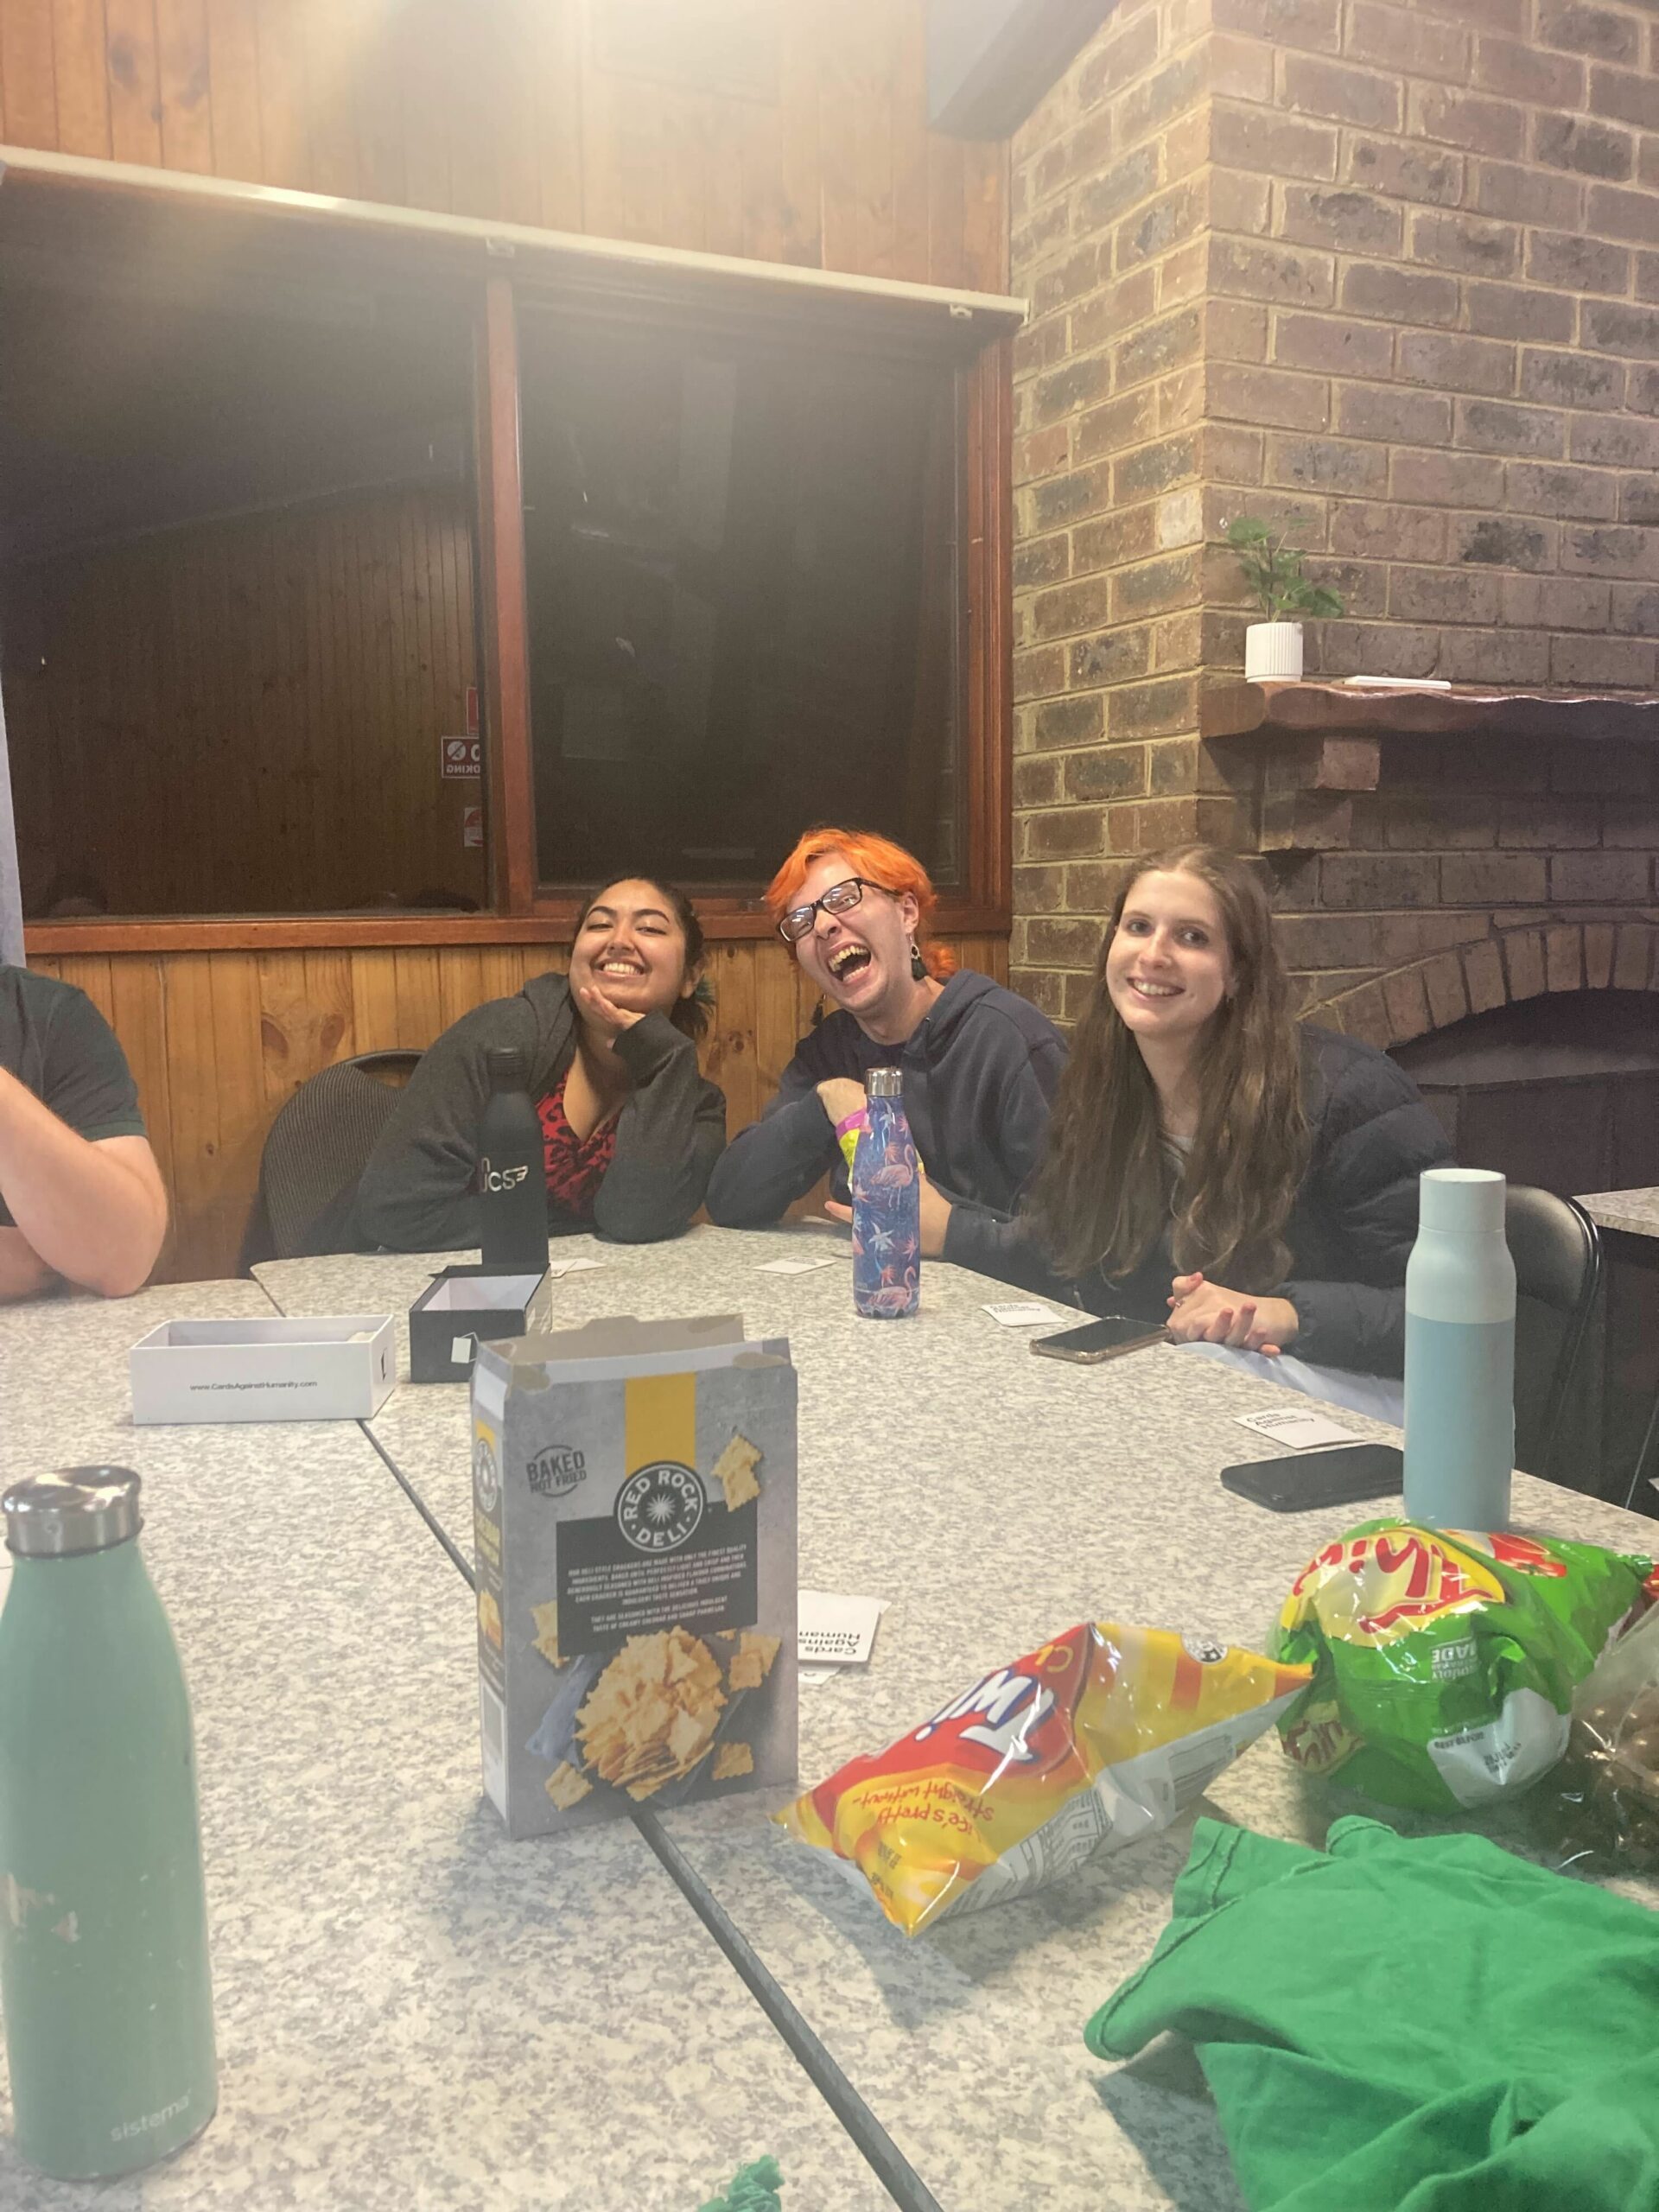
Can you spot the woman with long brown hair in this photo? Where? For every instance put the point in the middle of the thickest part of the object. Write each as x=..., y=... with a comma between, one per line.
x=1212, y=1160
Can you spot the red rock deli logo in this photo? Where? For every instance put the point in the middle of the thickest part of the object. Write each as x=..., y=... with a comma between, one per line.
x=1008, y=1709
x=499, y=1179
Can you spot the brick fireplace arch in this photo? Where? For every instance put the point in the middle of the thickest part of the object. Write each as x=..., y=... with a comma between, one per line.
x=1510, y=965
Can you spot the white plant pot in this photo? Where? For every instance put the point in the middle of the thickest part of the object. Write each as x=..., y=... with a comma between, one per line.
x=1273, y=652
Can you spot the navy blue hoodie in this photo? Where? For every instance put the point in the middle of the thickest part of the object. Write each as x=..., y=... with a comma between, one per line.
x=980, y=1071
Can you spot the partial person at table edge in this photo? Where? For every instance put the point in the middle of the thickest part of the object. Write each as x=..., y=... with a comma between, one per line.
x=631, y=1127
x=981, y=1065
x=81, y=1198
x=1213, y=1162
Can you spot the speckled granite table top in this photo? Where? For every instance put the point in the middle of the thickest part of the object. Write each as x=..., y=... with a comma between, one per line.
x=991, y=1498
x=412, y=2013
x=1635, y=1211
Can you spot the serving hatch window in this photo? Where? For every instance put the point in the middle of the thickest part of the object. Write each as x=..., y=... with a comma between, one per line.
x=743, y=596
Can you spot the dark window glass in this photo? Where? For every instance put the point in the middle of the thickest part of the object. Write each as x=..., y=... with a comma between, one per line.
x=236, y=599
x=743, y=584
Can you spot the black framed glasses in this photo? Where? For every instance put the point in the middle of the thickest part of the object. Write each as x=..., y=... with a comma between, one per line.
x=839, y=899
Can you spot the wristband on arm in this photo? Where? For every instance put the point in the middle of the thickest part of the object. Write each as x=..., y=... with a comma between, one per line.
x=846, y=1135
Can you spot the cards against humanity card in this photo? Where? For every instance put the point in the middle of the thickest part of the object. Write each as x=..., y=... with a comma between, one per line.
x=1297, y=1428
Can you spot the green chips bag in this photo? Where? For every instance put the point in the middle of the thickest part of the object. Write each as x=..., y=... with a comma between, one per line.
x=1445, y=1662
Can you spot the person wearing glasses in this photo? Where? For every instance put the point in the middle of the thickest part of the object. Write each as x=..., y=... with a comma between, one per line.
x=981, y=1065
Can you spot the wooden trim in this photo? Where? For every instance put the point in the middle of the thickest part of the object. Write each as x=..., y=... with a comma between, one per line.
x=552, y=923
x=509, y=783
x=988, y=613
x=569, y=256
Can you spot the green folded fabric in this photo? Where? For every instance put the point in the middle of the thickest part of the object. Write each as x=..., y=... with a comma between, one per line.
x=753, y=2189
x=1409, y=2025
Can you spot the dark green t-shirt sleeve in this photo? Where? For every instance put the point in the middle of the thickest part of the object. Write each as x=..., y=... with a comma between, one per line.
x=84, y=1077
x=74, y=1064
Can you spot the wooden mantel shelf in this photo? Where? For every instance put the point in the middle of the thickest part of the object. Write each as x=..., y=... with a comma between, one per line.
x=1301, y=710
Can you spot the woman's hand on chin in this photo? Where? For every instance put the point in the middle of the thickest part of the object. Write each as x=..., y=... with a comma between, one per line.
x=605, y=1016
x=1203, y=1312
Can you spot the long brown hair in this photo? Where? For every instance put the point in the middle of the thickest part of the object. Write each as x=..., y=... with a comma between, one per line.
x=1101, y=1193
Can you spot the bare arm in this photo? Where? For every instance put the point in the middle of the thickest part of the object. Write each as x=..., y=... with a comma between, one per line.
x=94, y=1212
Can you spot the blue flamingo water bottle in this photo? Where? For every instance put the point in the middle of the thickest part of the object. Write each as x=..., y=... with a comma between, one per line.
x=887, y=1206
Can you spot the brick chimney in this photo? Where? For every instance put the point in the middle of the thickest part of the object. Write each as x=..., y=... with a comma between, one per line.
x=1393, y=271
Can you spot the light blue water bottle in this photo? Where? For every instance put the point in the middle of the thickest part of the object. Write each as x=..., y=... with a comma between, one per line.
x=1459, y=1354
x=103, y=1929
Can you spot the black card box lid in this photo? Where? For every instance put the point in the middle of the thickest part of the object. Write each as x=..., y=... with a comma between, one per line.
x=464, y=1307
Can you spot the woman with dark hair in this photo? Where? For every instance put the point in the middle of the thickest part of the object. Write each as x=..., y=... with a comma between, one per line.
x=1212, y=1162
x=631, y=1128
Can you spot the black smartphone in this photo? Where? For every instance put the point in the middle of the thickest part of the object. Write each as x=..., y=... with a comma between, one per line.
x=1301, y=1480
x=1098, y=1340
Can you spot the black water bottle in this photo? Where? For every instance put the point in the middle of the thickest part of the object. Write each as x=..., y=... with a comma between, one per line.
x=512, y=1182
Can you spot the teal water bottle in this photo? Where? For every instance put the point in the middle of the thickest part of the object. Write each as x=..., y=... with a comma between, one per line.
x=102, y=1925
x=1459, y=1354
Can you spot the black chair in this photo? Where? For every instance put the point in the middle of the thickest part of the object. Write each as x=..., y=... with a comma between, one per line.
x=314, y=1151
x=1557, y=1253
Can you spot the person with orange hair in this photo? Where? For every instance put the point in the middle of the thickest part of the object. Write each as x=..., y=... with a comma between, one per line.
x=981, y=1065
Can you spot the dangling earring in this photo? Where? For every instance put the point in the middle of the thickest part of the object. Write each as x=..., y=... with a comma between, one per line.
x=918, y=965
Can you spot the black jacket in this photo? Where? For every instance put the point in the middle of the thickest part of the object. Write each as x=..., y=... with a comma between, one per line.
x=416, y=1194
x=1350, y=1230
x=980, y=1071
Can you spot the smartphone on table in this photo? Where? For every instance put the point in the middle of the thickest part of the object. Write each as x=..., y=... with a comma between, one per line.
x=1341, y=1476
x=1106, y=1338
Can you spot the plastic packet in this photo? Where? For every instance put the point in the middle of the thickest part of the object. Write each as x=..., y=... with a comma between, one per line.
x=1610, y=1780
x=1103, y=1735
x=1446, y=1660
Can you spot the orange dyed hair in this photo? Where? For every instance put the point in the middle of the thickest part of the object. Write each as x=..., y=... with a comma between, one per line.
x=878, y=860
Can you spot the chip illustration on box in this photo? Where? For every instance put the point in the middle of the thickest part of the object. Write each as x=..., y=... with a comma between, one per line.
x=634, y=1520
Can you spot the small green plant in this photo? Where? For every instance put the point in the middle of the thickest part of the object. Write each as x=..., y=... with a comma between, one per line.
x=1272, y=567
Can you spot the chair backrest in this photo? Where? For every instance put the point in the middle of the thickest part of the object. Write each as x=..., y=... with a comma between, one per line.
x=1557, y=1253
x=317, y=1148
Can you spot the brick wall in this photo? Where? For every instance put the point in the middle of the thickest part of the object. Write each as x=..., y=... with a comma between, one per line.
x=1395, y=270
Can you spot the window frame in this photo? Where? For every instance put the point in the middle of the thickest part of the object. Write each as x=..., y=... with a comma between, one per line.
x=594, y=274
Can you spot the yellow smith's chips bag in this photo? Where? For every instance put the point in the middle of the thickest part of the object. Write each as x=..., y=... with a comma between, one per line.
x=1104, y=1735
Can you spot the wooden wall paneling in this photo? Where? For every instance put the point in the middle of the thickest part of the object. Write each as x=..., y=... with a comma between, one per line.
x=419, y=1004
x=135, y=82
x=244, y=1115
x=375, y=94
x=233, y=89
x=910, y=146
x=985, y=216
x=509, y=791
x=326, y=987
x=947, y=211
x=728, y=1046
x=549, y=42
x=472, y=79
x=28, y=82
x=284, y=96
x=374, y=1001
x=623, y=124
x=781, y=153
x=867, y=28
x=422, y=50
x=838, y=128
x=342, y=44
x=81, y=78
x=185, y=81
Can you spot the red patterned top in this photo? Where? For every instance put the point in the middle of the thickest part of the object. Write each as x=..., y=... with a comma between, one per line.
x=576, y=1166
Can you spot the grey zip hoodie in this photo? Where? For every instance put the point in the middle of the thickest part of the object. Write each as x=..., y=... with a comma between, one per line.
x=416, y=1194
x=980, y=1071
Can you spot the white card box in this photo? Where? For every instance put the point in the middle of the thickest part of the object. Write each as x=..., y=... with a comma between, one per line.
x=340, y=1367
